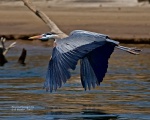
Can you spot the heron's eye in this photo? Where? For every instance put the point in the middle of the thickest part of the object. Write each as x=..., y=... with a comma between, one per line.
x=49, y=33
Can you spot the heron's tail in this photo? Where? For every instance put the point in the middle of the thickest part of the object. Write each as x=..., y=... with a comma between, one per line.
x=132, y=50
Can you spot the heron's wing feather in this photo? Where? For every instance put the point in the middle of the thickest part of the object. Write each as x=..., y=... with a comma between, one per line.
x=87, y=74
x=94, y=65
x=57, y=71
x=98, y=59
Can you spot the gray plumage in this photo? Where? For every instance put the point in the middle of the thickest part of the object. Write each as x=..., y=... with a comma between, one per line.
x=66, y=55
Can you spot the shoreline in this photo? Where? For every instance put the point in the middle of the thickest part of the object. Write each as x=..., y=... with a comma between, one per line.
x=121, y=40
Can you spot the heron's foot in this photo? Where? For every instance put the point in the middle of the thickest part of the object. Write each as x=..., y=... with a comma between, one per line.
x=132, y=50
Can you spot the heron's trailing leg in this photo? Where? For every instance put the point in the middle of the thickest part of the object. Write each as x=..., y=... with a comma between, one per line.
x=133, y=50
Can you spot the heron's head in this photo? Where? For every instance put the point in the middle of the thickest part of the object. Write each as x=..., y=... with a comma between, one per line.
x=45, y=36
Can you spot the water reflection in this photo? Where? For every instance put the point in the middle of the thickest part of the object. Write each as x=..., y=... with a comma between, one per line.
x=123, y=95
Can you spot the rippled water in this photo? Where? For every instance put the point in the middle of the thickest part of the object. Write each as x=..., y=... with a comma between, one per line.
x=123, y=95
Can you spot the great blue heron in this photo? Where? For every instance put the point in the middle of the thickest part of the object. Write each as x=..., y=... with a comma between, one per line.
x=92, y=49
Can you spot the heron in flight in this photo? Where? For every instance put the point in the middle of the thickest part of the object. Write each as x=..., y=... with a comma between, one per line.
x=92, y=49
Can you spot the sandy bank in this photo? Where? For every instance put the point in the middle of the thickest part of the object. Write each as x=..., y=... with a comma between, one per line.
x=127, y=24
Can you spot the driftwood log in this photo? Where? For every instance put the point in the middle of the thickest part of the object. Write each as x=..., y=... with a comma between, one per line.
x=53, y=27
x=2, y=58
x=4, y=50
x=22, y=57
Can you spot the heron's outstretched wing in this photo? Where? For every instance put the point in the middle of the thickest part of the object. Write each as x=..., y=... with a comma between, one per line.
x=67, y=53
x=94, y=66
x=87, y=74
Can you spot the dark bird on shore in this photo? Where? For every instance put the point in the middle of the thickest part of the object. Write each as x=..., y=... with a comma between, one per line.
x=92, y=49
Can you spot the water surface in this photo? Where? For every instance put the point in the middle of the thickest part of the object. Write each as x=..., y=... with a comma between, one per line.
x=123, y=95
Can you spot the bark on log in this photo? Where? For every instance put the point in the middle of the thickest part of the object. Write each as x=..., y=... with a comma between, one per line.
x=53, y=27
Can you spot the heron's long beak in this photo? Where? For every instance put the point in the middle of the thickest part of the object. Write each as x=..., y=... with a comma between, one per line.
x=35, y=37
